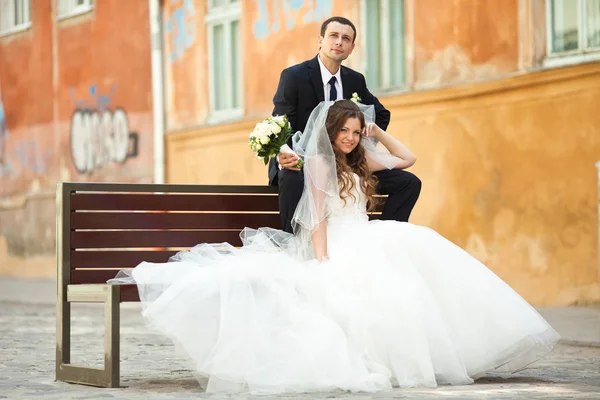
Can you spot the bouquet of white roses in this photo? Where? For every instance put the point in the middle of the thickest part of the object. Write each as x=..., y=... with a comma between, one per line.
x=270, y=137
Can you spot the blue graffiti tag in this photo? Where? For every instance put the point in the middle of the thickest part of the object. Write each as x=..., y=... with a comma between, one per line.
x=97, y=100
x=28, y=154
x=182, y=28
x=1, y=114
x=6, y=166
x=318, y=10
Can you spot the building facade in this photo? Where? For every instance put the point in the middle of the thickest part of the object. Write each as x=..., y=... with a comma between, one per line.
x=75, y=105
x=496, y=98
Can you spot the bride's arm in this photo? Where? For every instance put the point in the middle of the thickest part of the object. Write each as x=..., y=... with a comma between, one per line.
x=405, y=157
x=319, y=239
x=317, y=175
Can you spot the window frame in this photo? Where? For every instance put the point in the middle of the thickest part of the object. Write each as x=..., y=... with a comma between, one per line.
x=21, y=27
x=73, y=9
x=564, y=58
x=384, y=38
x=224, y=15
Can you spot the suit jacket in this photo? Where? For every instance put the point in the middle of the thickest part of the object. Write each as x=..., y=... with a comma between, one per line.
x=300, y=90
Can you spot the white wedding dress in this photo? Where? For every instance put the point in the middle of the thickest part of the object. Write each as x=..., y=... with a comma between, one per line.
x=396, y=304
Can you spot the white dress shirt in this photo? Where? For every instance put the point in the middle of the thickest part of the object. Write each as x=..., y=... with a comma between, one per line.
x=326, y=76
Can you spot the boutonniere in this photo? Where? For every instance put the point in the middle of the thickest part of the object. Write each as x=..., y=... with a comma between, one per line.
x=355, y=97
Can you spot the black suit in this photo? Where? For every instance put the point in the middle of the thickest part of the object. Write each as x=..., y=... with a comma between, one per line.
x=299, y=91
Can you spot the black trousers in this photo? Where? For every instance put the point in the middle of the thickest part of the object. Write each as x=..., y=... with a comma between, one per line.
x=402, y=187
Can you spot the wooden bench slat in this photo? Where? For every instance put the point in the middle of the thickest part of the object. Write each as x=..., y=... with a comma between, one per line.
x=149, y=220
x=92, y=276
x=173, y=202
x=116, y=259
x=137, y=239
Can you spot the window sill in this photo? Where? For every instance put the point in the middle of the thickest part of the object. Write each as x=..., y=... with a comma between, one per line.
x=16, y=29
x=222, y=116
x=76, y=12
x=392, y=91
x=574, y=58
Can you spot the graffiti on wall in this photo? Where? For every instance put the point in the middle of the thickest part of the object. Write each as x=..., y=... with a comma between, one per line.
x=181, y=28
x=100, y=133
x=23, y=155
x=30, y=156
x=6, y=166
x=270, y=11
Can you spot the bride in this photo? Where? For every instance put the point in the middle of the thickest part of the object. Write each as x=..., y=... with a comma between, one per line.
x=344, y=303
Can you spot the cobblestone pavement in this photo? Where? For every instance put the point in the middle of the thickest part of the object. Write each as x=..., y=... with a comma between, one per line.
x=150, y=368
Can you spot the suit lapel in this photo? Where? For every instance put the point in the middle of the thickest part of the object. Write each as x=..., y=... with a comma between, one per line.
x=314, y=71
x=347, y=83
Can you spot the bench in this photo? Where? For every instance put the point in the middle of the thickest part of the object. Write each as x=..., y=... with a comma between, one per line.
x=105, y=227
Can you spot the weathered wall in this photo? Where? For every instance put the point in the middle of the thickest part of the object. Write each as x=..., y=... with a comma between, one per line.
x=279, y=34
x=507, y=169
x=464, y=40
x=275, y=34
x=27, y=148
x=76, y=106
x=186, y=63
x=508, y=172
x=104, y=93
x=507, y=163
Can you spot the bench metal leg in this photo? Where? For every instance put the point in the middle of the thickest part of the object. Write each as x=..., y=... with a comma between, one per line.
x=65, y=371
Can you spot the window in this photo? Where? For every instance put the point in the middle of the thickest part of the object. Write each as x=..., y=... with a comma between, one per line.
x=573, y=30
x=70, y=8
x=223, y=23
x=384, y=23
x=14, y=16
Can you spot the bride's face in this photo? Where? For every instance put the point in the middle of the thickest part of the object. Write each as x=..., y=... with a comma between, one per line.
x=349, y=136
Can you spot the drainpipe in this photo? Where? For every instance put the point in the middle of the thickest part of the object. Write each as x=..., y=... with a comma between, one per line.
x=158, y=117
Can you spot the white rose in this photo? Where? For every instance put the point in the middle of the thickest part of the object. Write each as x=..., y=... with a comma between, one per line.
x=264, y=129
x=265, y=139
x=275, y=128
x=257, y=130
x=279, y=120
x=258, y=146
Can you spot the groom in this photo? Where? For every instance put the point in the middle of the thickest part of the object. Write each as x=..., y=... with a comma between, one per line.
x=301, y=88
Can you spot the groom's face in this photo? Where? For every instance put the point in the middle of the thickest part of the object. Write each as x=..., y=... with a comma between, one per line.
x=338, y=41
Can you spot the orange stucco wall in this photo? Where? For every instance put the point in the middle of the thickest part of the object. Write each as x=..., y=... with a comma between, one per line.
x=77, y=106
x=507, y=169
x=506, y=149
x=506, y=153
x=509, y=175
x=464, y=40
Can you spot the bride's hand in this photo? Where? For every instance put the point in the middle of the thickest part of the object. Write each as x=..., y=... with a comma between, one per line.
x=371, y=130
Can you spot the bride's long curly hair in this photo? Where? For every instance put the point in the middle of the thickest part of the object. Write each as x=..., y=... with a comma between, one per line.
x=356, y=160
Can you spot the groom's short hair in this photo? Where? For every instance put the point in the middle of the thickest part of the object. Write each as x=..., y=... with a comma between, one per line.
x=341, y=20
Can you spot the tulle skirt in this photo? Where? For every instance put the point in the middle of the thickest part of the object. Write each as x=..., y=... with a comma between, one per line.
x=395, y=305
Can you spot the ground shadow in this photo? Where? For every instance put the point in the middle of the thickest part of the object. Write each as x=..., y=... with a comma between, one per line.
x=510, y=379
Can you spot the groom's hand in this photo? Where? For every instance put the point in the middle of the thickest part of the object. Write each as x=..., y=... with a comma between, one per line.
x=289, y=161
